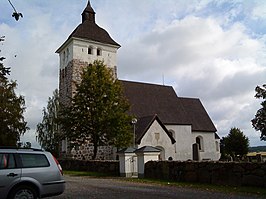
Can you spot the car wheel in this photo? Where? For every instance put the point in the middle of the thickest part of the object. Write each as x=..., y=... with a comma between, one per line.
x=23, y=192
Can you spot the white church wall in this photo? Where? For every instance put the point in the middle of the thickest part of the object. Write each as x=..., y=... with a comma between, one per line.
x=157, y=137
x=107, y=52
x=183, y=145
x=78, y=49
x=209, y=149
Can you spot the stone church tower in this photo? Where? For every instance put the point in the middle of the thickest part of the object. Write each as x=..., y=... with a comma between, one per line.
x=87, y=43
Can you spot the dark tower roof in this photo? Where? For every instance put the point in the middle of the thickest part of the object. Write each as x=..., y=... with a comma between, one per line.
x=88, y=13
x=88, y=29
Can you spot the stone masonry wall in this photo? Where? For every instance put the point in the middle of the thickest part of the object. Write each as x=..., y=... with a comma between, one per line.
x=219, y=173
x=69, y=77
x=85, y=152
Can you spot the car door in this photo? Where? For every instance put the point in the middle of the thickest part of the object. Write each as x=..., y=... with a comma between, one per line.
x=9, y=173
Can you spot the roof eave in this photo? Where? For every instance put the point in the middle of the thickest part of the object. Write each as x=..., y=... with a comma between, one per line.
x=83, y=39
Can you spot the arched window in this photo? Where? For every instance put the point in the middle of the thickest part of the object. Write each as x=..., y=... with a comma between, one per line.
x=199, y=141
x=162, y=153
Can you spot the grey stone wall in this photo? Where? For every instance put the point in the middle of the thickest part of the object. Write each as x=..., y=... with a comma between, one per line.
x=69, y=76
x=219, y=173
x=107, y=167
x=85, y=152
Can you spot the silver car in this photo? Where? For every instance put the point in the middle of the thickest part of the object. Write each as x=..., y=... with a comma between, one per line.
x=29, y=174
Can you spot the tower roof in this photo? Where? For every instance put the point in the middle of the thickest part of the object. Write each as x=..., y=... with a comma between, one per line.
x=89, y=30
x=88, y=13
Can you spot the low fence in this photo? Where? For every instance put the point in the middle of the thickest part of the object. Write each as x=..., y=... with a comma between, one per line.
x=108, y=167
x=219, y=173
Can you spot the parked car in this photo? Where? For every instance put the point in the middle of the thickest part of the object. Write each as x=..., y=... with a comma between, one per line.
x=29, y=174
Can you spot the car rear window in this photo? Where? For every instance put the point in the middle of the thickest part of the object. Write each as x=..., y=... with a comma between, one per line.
x=7, y=161
x=34, y=160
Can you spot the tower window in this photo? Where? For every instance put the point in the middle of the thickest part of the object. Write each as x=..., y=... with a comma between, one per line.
x=99, y=52
x=90, y=51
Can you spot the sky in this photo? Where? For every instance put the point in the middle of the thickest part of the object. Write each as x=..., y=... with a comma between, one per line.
x=214, y=50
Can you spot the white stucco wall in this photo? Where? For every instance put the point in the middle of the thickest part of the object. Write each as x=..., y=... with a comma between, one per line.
x=209, y=149
x=157, y=137
x=128, y=164
x=78, y=49
x=183, y=145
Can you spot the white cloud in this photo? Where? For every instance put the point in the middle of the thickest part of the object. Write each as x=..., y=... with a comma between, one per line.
x=259, y=11
x=221, y=66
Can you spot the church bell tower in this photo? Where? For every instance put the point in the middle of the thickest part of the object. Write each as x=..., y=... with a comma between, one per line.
x=87, y=43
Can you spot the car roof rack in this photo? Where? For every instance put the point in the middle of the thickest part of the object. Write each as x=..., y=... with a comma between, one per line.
x=14, y=147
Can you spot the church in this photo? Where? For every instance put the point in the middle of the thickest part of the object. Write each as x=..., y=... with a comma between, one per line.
x=163, y=120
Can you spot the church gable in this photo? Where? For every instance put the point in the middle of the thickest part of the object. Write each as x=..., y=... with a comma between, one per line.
x=155, y=134
x=145, y=124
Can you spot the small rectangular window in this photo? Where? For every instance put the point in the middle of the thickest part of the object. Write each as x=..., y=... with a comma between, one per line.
x=99, y=52
x=89, y=51
x=34, y=160
x=7, y=161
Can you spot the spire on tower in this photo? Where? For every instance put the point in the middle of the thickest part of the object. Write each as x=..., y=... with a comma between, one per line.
x=88, y=13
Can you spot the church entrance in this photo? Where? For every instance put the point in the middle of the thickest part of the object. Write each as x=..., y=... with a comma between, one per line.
x=162, y=153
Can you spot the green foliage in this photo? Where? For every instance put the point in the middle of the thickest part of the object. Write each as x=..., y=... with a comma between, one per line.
x=48, y=133
x=12, y=124
x=235, y=144
x=259, y=122
x=98, y=112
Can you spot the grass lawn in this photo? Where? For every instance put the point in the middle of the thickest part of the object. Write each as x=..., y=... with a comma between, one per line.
x=207, y=187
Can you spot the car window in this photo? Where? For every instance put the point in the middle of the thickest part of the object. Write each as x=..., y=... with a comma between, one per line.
x=34, y=160
x=7, y=161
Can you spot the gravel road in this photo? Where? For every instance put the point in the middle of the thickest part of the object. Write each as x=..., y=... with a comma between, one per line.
x=99, y=188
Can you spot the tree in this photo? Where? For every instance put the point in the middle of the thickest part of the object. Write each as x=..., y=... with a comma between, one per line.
x=48, y=133
x=259, y=122
x=236, y=143
x=98, y=112
x=12, y=123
